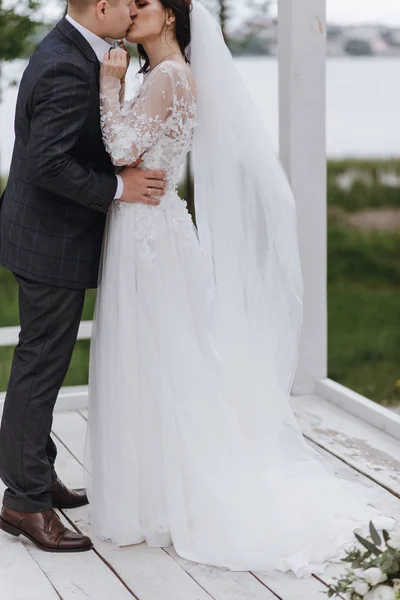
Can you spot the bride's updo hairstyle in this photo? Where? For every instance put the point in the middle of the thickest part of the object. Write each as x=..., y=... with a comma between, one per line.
x=181, y=10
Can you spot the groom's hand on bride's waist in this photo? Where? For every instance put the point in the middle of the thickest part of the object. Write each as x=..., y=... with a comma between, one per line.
x=143, y=185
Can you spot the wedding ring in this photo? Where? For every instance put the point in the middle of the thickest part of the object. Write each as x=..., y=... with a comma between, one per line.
x=148, y=193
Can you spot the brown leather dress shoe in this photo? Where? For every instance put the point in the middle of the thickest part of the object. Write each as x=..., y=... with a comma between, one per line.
x=62, y=497
x=45, y=530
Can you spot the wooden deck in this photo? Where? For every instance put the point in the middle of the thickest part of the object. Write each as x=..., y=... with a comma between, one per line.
x=355, y=449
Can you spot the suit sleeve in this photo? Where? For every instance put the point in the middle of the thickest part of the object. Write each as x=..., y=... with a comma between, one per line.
x=61, y=102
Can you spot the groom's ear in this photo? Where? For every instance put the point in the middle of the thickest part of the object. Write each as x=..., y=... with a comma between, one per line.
x=101, y=9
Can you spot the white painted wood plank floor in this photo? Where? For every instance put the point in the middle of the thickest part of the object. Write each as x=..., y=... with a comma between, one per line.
x=355, y=450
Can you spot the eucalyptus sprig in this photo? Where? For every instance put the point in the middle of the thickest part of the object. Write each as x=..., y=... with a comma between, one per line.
x=374, y=571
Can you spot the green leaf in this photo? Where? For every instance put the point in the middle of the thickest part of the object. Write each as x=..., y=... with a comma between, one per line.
x=388, y=563
x=18, y=28
x=385, y=535
x=332, y=592
x=374, y=534
x=368, y=545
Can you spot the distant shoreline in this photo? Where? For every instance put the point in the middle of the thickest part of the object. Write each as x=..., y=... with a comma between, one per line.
x=328, y=56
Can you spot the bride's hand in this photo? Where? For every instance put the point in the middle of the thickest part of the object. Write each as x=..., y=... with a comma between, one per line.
x=114, y=65
x=128, y=56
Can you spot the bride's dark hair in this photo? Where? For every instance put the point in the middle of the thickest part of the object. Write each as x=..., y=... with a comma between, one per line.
x=181, y=10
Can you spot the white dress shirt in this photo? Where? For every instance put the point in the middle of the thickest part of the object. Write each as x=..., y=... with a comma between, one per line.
x=99, y=47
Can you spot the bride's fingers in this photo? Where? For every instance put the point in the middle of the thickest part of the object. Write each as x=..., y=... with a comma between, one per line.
x=118, y=58
x=127, y=54
x=117, y=52
x=114, y=64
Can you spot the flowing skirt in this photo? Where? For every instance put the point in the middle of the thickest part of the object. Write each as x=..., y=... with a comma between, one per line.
x=189, y=441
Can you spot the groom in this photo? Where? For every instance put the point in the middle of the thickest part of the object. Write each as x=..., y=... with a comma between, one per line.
x=52, y=218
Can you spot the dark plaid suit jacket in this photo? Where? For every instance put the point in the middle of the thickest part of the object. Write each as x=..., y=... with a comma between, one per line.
x=61, y=181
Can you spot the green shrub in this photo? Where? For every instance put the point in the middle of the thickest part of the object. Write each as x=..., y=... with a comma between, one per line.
x=367, y=257
x=358, y=185
x=375, y=167
x=364, y=339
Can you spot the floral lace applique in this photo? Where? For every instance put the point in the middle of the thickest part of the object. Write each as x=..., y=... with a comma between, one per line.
x=158, y=126
x=165, y=107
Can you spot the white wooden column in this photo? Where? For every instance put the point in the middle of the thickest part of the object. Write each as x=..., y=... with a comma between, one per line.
x=302, y=64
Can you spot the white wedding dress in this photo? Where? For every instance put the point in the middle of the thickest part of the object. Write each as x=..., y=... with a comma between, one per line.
x=191, y=441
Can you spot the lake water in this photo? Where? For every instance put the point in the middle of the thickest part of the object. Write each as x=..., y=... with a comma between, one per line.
x=363, y=104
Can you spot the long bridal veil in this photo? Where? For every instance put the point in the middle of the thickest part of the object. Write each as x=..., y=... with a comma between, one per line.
x=246, y=213
x=246, y=219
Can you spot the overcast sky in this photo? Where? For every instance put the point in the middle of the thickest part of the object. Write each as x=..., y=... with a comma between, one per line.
x=339, y=11
x=363, y=11
x=383, y=11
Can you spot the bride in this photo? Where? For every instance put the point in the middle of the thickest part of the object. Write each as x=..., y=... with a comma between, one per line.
x=191, y=438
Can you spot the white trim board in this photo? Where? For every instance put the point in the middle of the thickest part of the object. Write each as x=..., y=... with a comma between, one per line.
x=9, y=335
x=351, y=402
x=302, y=118
x=69, y=398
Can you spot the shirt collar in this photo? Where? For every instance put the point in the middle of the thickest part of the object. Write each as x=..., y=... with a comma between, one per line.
x=99, y=46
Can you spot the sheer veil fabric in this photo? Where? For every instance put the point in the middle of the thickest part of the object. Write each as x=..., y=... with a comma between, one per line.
x=191, y=436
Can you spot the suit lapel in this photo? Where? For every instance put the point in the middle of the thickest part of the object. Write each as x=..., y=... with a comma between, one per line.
x=76, y=38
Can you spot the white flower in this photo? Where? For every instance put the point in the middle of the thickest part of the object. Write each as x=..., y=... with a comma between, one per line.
x=394, y=540
x=382, y=592
x=374, y=575
x=359, y=573
x=396, y=588
x=360, y=587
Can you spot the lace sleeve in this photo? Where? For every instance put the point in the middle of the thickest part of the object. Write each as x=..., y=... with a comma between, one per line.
x=131, y=128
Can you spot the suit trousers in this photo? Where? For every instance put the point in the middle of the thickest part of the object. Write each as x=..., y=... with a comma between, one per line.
x=49, y=318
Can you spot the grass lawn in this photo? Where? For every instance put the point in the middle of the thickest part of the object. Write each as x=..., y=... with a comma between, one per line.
x=364, y=339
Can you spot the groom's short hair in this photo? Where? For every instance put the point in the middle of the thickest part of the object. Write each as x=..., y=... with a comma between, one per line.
x=82, y=5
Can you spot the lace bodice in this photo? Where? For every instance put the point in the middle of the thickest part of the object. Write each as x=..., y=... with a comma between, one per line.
x=157, y=124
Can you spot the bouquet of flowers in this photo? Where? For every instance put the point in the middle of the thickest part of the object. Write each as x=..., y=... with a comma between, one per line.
x=375, y=569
